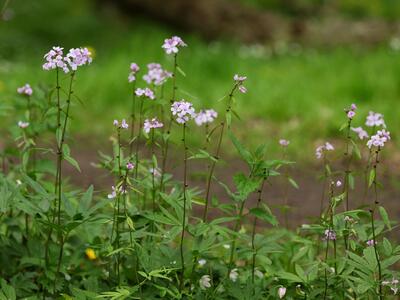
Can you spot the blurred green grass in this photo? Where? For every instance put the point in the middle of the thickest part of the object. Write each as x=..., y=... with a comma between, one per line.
x=293, y=93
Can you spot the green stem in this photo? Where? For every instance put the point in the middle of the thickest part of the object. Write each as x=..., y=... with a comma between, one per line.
x=184, y=208
x=137, y=161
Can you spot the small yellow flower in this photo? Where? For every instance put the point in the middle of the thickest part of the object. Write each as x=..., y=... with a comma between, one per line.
x=91, y=255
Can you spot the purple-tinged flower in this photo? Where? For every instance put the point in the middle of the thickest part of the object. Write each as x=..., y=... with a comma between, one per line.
x=379, y=139
x=371, y=243
x=130, y=166
x=320, y=149
x=115, y=191
x=134, y=68
x=146, y=92
x=183, y=111
x=54, y=59
x=362, y=134
x=351, y=114
x=156, y=75
x=77, y=57
x=25, y=90
x=239, y=80
x=205, y=117
x=375, y=119
x=172, y=45
x=338, y=183
x=284, y=143
x=353, y=106
x=22, y=124
x=281, y=292
x=330, y=235
x=156, y=172
x=123, y=125
x=151, y=124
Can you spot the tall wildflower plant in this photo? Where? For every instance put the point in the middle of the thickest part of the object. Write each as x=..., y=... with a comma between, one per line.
x=171, y=46
x=69, y=64
x=321, y=152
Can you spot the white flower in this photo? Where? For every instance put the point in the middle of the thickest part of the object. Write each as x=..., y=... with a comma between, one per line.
x=320, y=149
x=379, y=139
x=226, y=246
x=22, y=124
x=281, y=292
x=362, y=134
x=205, y=116
x=233, y=275
x=183, y=111
x=202, y=262
x=375, y=119
x=205, y=282
x=258, y=273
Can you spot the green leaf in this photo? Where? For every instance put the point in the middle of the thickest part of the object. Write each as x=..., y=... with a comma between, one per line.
x=86, y=199
x=293, y=183
x=264, y=215
x=385, y=217
x=289, y=276
x=244, y=153
x=371, y=177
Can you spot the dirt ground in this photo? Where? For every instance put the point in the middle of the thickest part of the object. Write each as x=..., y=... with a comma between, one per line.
x=304, y=202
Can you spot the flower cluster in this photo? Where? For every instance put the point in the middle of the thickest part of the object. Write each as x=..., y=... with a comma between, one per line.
x=78, y=57
x=320, y=149
x=375, y=119
x=183, y=111
x=351, y=112
x=239, y=82
x=330, y=235
x=75, y=58
x=123, y=125
x=379, y=139
x=172, y=45
x=205, y=116
x=22, y=124
x=233, y=274
x=393, y=284
x=25, y=90
x=362, y=134
x=156, y=74
x=146, y=92
x=284, y=143
x=115, y=191
x=205, y=282
x=151, y=124
x=134, y=70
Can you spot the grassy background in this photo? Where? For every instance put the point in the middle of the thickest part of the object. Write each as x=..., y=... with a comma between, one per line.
x=294, y=92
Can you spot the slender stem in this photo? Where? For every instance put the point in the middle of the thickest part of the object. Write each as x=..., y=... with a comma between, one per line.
x=286, y=190
x=217, y=153
x=253, y=246
x=133, y=118
x=166, y=141
x=184, y=207
x=139, y=137
x=59, y=166
x=153, y=173
x=376, y=254
x=348, y=157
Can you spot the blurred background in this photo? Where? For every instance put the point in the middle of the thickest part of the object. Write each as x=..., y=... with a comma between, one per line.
x=306, y=60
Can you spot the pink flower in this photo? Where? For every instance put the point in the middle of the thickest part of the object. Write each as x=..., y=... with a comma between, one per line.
x=281, y=292
x=375, y=119
x=371, y=243
x=239, y=81
x=379, y=139
x=151, y=124
x=183, y=111
x=338, y=183
x=148, y=93
x=134, y=70
x=124, y=124
x=172, y=45
x=330, y=235
x=130, y=166
x=78, y=57
x=320, y=149
x=284, y=143
x=115, y=191
x=22, y=124
x=54, y=59
x=156, y=75
x=25, y=90
x=351, y=114
x=205, y=117
x=362, y=134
